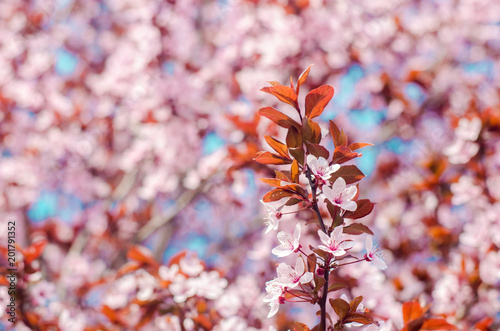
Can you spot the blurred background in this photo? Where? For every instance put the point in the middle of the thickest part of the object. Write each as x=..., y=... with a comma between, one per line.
x=128, y=131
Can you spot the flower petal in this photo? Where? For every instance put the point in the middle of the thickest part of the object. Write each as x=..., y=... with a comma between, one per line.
x=349, y=205
x=379, y=263
x=338, y=187
x=325, y=239
x=281, y=251
x=306, y=278
x=349, y=193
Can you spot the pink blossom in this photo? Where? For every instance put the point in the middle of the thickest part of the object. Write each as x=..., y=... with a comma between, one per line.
x=291, y=277
x=334, y=243
x=289, y=242
x=320, y=167
x=274, y=296
x=340, y=195
x=272, y=218
x=374, y=255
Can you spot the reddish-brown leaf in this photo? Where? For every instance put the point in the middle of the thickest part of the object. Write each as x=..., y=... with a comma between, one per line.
x=33, y=251
x=355, y=302
x=317, y=99
x=295, y=171
x=340, y=152
x=336, y=286
x=282, y=176
x=350, y=173
x=411, y=311
x=271, y=181
x=335, y=132
x=141, y=254
x=283, y=93
x=311, y=131
x=276, y=194
x=278, y=146
x=300, y=327
x=318, y=151
x=311, y=262
x=270, y=158
x=302, y=78
x=437, y=324
x=364, y=208
x=298, y=154
x=294, y=137
x=278, y=117
x=341, y=307
x=358, y=318
x=483, y=324
x=357, y=229
x=355, y=146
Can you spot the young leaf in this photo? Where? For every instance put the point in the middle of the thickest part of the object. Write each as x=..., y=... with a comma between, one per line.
x=300, y=327
x=276, y=194
x=311, y=131
x=355, y=302
x=298, y=154
x=364, y=208
x=359, y=318
x=340, y=307
x=350, y=173
x=270, y=158
x=283, y=93
x=294, y=138
x=357, y=229
x=318, y=151
x=437, y=324
x=336, y=286
x=317, y=99
x=302, y=78
x=141, y=254
x=272, y=181
x=355, y=146
x=411, y=311
x=295, y=171
x=292, y=202
x=335, y=132
x=282, y=176
x=311, y=262
x=278, y=117
x=278, y=146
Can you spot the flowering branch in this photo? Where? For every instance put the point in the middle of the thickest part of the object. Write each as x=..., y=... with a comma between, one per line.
x=326, y=179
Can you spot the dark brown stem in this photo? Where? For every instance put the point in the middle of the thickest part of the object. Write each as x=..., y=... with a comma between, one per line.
x=322, y=301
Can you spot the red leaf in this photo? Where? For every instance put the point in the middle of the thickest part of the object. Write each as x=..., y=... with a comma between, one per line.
x=437, y=324
x=411, y=311
x=336, y=286
x=276, y=194
x=350, y=173
x=300, y=327
x=302, y=78
x=318, y=151
x=364, y=208
x=311, y=131
x=283, y=93
x=278, y=117
x=294, y=137
x=141, y=254
x=355, y=302
x=33, y=251
x=272, y=181
x=341, y=307
x=295, y=171
x=355, y=146
x=359, y=318
x=270, y=158
x=278, y=146
x=317, y=99
x=357, y=229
